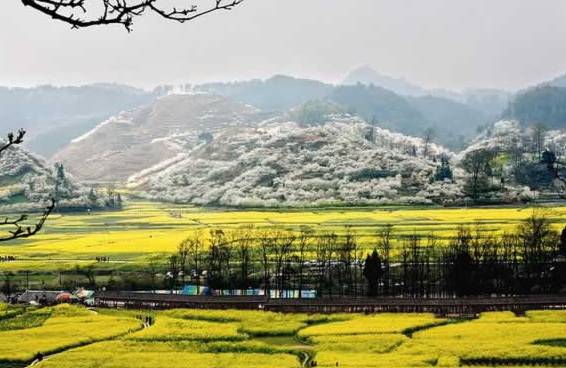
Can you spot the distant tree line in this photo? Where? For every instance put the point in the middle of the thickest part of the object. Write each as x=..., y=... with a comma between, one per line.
x=529, y=260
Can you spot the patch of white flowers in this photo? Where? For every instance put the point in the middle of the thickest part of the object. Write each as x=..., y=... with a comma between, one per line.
x=345, y=161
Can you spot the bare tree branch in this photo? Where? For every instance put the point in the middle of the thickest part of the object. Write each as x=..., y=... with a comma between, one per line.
x=122, y=12
x=22, y=230
x=13, y=139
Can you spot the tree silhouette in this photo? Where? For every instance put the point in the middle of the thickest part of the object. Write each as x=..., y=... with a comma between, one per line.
x=85, y=13
x=20, y=228
x=373, y=272
x=562, y=247
x=478, y=164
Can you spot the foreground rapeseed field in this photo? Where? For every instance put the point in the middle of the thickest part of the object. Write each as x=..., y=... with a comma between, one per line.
x=70, y=336
x=143, y=230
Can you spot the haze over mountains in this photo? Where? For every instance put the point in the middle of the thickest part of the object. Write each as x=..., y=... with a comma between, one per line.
x=488, y=101
x=55, y=115
x=291, y=140
x=367, y=75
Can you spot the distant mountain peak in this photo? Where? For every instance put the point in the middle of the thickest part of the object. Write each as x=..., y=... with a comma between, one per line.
x=367, y=75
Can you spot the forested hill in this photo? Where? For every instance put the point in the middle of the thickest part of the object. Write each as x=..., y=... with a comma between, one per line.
x=559, y=81
x=381, y=107
x=368, y=76
x=544, y=105
x=278, y=93
x=453, y=121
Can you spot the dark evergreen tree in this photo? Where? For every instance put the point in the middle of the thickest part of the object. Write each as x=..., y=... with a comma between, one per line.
x=548, y=157
x=61, y=189
x=92, y=197
x=562, y=248
x=443, y=171
x=460, y=273
x=373, y=272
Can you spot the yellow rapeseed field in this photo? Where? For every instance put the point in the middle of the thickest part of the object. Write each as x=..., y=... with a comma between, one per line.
x=171, y=329
x=145, y=229
x=491, y=338
x=365, y=343
x=66, y=327
x=495, y=338
x=192, y=338
x=109, y=356
x=373, y=324
x=76, y=337
x=251, y=322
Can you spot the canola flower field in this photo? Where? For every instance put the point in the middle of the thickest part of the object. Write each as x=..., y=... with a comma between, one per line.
x=72, y=336
x=143, y=230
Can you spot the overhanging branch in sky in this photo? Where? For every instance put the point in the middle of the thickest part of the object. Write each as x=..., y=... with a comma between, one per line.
x=85, y=13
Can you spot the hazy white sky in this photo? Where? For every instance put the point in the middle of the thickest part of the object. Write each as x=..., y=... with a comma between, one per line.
x=436, y=43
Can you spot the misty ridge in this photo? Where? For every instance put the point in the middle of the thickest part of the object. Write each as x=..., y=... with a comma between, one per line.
x=285, y=141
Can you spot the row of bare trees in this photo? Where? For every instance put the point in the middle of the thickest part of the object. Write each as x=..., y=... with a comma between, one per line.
x=529, y=259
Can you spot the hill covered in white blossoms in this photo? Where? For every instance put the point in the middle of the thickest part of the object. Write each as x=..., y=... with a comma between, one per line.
x=345, y=161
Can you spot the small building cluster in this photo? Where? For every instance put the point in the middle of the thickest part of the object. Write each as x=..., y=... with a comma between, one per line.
x=50, y=297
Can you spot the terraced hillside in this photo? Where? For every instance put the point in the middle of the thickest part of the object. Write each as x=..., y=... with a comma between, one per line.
x=133, y=141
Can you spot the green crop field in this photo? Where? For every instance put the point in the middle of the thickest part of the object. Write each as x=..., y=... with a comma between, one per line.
x=69, y=336
x=144, y=229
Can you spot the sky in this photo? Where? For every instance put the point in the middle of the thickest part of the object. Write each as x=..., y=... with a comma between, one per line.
x=508, y=44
